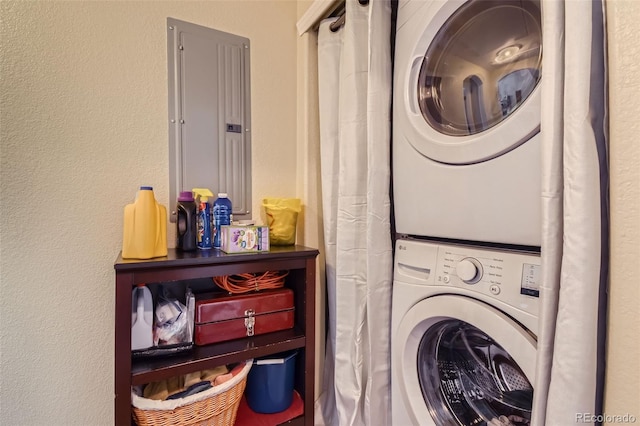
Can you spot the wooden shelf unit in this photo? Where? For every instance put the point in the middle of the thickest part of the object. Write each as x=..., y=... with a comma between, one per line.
x=180, y=266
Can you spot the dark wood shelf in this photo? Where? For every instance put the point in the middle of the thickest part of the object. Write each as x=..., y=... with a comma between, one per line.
x=180, y=266
x=298, y=421
x=203, y=357
x=177, y=258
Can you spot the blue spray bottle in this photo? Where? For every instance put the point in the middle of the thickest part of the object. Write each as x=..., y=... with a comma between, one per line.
x=204, y=235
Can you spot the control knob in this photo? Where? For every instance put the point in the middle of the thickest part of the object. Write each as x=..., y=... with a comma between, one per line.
x=469, y=270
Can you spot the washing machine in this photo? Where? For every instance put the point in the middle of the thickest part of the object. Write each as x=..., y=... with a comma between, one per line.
x=463, y=338
x=466, y=120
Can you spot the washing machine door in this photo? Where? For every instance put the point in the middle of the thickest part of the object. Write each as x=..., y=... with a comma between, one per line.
x=463, y=362
x=472, y=83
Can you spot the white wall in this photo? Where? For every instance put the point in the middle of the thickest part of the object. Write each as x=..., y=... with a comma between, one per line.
x=622, y=389
x=83, y=123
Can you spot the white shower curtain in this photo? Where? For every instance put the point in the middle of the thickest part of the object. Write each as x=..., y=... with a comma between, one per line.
x=571, y=343
x=354, y=73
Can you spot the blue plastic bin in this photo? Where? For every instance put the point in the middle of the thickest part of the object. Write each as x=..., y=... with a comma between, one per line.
x=270, y=383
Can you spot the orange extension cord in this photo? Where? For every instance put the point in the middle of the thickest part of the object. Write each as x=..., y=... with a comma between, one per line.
x=245, y=283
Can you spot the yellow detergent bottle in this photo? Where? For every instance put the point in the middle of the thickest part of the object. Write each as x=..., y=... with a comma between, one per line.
x=145, y=227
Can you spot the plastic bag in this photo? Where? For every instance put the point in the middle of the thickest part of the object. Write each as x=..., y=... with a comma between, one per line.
x=171, y=321
x=282, y=218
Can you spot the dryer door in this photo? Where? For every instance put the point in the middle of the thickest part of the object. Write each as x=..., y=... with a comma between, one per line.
x=472, y=89
x=463, y=362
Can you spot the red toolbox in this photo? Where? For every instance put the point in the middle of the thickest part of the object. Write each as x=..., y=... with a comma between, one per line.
x=220, y=316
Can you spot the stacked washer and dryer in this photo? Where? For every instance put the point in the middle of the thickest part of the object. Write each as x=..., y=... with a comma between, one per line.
x=466, y=178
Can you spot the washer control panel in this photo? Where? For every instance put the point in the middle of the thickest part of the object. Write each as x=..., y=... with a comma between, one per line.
x=506, y=279
x=511, y=276
x=485, y=267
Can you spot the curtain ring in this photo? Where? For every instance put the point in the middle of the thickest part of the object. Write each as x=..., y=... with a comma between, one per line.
x=337, y=24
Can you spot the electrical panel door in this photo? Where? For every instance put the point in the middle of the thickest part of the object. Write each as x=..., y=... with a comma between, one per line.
x=209, y=114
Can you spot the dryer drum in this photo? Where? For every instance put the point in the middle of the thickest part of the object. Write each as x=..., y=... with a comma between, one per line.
x=467, y=378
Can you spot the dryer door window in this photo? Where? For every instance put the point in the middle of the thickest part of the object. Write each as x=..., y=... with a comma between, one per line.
x=467, y=378
x=481, y=66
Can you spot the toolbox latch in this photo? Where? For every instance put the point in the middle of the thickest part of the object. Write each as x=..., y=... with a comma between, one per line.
x=249, y=321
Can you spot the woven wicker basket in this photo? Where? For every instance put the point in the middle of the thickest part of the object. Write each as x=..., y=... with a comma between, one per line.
x=217, y=406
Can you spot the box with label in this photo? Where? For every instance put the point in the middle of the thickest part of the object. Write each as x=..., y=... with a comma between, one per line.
x=244, y=238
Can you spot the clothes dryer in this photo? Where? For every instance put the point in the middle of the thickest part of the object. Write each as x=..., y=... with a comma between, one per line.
x=463, y=338
x=466, y=148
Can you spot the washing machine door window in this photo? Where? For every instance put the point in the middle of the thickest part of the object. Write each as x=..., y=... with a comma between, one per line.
x=476, y=382
x=460, y=361
x=481, y=66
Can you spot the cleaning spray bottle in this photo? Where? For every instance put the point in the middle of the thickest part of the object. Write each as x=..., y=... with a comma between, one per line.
x=204, y=235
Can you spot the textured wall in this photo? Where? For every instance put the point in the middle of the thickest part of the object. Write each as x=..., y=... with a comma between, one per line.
x=83, y=103
x=622, y=391
x=83, y=123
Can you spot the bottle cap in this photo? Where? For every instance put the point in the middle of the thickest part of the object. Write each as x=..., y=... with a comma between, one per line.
x=185, y=196
x=146, y=188
x=222, y=195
